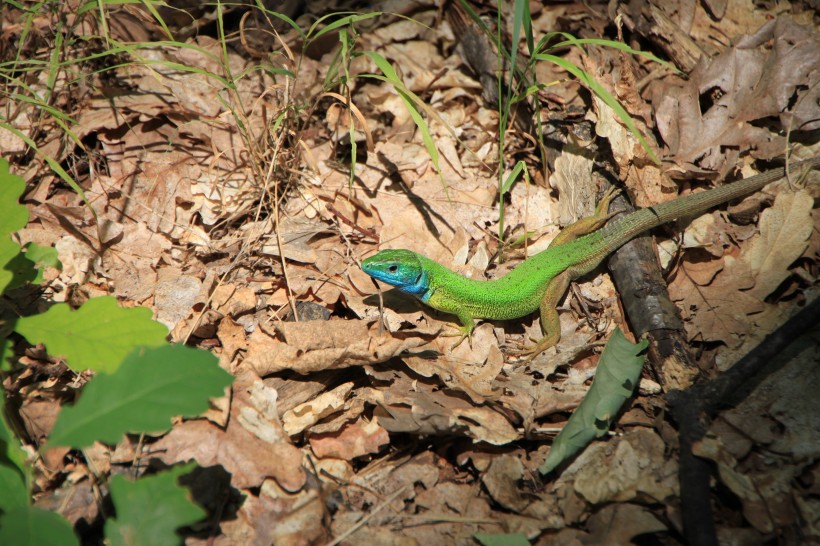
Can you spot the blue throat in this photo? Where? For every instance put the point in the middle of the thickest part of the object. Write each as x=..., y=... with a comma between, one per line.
x=420, y=288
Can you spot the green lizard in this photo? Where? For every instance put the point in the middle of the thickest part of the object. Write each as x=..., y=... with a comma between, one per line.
x=542, y=280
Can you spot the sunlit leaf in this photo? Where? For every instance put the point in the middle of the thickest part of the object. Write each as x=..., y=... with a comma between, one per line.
x=97, y=336
x=151, y=509
x=151, y=386
x=615, y=380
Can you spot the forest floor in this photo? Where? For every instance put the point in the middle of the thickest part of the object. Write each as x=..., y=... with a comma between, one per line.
x=237, y=174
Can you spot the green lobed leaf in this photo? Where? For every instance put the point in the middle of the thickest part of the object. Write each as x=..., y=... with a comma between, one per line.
x=53, y=163
x=150, y=387
x=9, y=250
x=13, y=492
x=20, y=269
x=151, y=509
x=30, y=526
x=615, y=380
x=42, y=257
x=10, y=449
x=13, y=469
x=13, y=215
x=98, y=336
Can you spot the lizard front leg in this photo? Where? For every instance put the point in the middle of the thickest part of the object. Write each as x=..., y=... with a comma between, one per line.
x=464, y=331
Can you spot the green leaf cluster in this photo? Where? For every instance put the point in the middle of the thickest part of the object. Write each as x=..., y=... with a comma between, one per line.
x=141, y=383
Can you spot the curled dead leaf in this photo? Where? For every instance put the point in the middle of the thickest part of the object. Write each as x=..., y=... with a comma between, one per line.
x=313, y=346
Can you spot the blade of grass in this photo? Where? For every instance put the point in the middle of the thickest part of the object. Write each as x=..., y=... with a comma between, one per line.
x=411, y=101
x=282, y=17
x=614, y=44
x=604, y=95
x=55, y=166
x=344, y=21
x=506, y=186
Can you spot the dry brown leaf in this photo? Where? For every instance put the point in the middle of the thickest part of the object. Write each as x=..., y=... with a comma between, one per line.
x=621, y=523
x=298, y=346
x=73, y=501
x=771, y=73
x=635, y=465
x=448, y=503
x=243, y=454
x=353, y=440
x=276, y=516
x=309, y=413
x=784, y=235
x=294, y=234
x=765, y=495
x=131, y=262
x=261, y=417
x=572, y=177
x=718, y=311
x=174, y=298
x=232, y=300
x=501, y=480
x=421, y=409
x=232, y=338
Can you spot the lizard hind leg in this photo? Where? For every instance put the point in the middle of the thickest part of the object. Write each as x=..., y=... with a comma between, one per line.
x=588, y=224
x=550, y=323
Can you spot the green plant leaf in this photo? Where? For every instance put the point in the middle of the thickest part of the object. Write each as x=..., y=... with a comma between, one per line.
x=151, y=509
x=13, y=492
x=9, y=252
x=615, y=379
x=10, y=449
x=507, y=186
x=53, y=163
x=30, y=526
x=13, y=469
x=573, y=41
x=42, y=257
x=282, y=17
x=14, y=268
x=150, y=387
x=13, y=215
x=96, y=336
x=502, y=539
x=344, y=21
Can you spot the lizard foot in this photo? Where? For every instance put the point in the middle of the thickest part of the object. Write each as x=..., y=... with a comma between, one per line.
x=532, y=351
x=462, y=333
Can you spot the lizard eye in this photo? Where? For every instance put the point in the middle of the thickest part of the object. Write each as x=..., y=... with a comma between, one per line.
x=393, y=268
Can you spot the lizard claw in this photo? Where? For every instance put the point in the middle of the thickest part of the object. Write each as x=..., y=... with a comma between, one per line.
x=532, y=351
x=462, y=333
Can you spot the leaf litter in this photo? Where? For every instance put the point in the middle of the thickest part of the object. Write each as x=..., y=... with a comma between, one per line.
x=368, y=426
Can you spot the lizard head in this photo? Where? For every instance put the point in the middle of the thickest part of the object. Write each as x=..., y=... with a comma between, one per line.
x=400, y=268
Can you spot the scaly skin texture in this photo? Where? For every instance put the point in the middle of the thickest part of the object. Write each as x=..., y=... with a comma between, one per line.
x=541, y=280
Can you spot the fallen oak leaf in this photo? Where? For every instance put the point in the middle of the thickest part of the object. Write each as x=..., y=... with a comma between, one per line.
x=785, y=229
x=242, y=452
x=353, y=440
x=312, y=346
